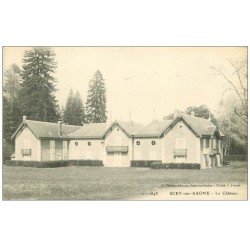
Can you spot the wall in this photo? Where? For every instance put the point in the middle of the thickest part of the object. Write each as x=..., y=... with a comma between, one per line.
x=45, y=145
x=24, y=140
x=83, y=151
x=117, y=137
x=54, y=150
x=147, y=151
x=180, y=130
x=209, y=160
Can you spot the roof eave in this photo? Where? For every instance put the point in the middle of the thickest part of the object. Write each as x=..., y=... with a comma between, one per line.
x=17, y=130
x=146, y=136
x=111, y=126
x=173, y=123
x=85, y=137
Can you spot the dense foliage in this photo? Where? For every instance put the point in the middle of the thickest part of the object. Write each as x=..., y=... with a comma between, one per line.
x=37, y=93
x=96, y=100
x=11, y=109
x=55, y=164
x=74, y=113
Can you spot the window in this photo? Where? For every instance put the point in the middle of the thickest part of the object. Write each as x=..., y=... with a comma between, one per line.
x=180, y=127
x=76, y=143
x=26, y=152
x=138, y=143
x=118, y=129
x=153, y=143
x=180, y=159
x=207, y=143
x=89, y=143
x=102, y=143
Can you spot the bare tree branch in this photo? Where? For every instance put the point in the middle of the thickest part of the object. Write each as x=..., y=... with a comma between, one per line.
x=240, y=115
x=220, y=73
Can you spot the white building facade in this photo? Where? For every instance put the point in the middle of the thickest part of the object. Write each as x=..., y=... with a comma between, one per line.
x=185, y=139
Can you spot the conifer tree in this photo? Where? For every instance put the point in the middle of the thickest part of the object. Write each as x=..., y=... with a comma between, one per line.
x=96, y=100
x=74, y=110
x=36, y=96
x=68, y=112
x=11, y=111
x=79, y=109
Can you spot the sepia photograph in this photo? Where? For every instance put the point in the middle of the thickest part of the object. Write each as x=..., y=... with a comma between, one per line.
x=125, y=123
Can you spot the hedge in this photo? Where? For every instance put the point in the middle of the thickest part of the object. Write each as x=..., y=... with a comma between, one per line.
x=143, y=164
x=227, y=158
x=175, y=166
x=85, y=163
x=54, y=164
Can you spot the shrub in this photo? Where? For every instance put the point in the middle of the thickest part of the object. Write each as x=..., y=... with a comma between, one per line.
x=156, y=165
x=54, y=164
x=8, y=150
x=143, y=164
x=180, y=166
x=83, y=163
x=235, y=158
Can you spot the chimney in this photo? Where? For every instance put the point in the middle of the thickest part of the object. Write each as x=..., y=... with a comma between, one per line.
x=176, y=113
x=59, y=127
x=192, y=113
x=24, y=118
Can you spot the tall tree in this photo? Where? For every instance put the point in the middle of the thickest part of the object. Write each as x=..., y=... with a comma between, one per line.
x=96, y=100
x=11, y=111
x=233, y=108
x=236, y=81
x=36, y=96
x=69, y=112
x=232, y=126
x=79, y=109
x=74, y=111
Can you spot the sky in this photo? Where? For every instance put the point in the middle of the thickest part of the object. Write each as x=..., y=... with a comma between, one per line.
x=142, y=83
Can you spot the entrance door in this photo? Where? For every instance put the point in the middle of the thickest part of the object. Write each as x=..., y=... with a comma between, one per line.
x=117, y=159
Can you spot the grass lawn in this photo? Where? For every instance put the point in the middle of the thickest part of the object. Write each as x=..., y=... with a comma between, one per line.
x=101, y=183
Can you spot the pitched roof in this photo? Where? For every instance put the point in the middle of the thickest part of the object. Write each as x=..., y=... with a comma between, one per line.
x=153, y=129
x=91, y=130
x=99, y=130
x=203, y=127
x=47, y=129
x=129, y=126
x=200, y=126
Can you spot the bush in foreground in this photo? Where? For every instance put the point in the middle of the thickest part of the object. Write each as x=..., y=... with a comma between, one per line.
x=54, y=164
x=82, y=163
x=143, y=164
x=175, y=165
